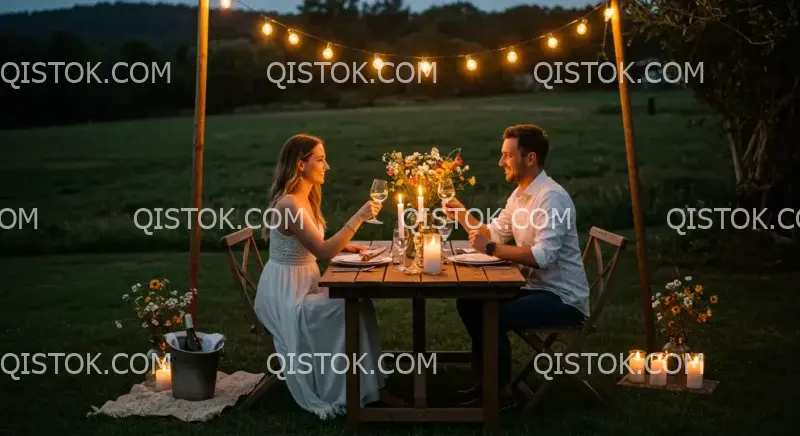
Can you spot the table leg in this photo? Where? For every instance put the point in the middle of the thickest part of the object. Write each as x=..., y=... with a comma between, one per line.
x=491, y=407
x=418, y=317
x=351, y=316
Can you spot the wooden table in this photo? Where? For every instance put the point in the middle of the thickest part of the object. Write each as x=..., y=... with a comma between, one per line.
x=456, y=281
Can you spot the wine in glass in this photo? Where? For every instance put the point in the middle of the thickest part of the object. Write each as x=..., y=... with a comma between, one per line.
x=446, y=192
x=378, y=192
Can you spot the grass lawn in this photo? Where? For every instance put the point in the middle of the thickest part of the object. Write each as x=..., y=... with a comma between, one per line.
x=64, y=294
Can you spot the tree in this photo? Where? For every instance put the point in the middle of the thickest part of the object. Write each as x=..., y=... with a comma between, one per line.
x=751, y=78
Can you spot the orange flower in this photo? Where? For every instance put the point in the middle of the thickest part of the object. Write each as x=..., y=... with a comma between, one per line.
x=155, y=284
x=676, y=310
x=667, y=300
x=714, y=299
x=698, y=289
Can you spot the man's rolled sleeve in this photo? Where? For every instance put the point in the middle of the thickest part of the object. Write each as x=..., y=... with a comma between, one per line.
x=552, y=222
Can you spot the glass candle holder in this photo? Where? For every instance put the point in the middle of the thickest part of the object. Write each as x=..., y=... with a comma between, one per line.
x=637, y=364
x=695, y=367
x=432, y=253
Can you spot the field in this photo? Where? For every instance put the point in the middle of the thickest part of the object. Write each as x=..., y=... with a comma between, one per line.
x=61, y=284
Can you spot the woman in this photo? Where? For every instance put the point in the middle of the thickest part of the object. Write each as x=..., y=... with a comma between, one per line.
x=289, y=301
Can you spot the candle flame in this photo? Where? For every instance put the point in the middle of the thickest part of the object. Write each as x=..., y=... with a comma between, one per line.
x=419, y=189
x=400, y=198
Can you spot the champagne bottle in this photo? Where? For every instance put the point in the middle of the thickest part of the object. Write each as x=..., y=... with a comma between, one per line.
x=191, y=343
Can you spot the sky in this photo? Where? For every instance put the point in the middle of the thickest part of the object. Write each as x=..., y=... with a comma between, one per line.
x=284, y=5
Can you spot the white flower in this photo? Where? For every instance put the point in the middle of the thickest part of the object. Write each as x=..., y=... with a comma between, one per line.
x=133, y=288
x=688, y=278
x=676, y=283
x=125, y=297
x=173, y=293
x=466, y=168
x=687, y=302
x=655, y=304
x=144, y=325
x=658, y=294
x=658, y=316
x=119, y=324
x=155, y=322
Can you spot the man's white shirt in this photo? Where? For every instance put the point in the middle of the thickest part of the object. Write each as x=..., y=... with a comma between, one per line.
x=543, y=217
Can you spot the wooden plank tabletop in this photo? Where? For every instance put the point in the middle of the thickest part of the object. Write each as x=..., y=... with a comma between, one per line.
x=453, y=275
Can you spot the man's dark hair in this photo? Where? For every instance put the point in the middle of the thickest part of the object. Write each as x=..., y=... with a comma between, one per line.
x=530, y=139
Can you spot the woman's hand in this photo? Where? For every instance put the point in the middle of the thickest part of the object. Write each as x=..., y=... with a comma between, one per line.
x=369, y=210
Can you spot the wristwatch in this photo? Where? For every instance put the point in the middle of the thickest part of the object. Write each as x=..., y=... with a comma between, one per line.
x=490, y=247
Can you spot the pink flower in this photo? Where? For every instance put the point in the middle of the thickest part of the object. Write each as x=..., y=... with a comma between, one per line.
x=390, y=172
x=413, y=180
x=459, y=161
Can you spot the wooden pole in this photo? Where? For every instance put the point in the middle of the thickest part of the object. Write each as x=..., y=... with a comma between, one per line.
x=199, y=138
x=633, y=177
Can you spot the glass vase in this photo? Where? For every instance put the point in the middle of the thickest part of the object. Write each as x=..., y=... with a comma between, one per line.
x=676, y=350
x=416, y=264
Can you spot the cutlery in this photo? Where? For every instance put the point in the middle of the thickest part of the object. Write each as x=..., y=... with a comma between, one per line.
x=346, y=269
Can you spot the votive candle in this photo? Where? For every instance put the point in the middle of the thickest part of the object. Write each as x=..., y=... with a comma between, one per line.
x=164, y=377
x=658, y=369
x=636, y=362
x=695, y=367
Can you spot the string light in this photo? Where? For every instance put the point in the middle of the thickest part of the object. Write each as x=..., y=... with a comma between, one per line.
x=377, y=63
x=425, y=66
x=471, y=65
x=327, y=53
x=266, y=29
x=582, y=27
x=609, y=13
x=512, y=56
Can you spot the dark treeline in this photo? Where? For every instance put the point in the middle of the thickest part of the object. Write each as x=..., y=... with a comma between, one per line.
x=239, y=56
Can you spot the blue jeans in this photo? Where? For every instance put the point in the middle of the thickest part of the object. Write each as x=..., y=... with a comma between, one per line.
x=534, y=309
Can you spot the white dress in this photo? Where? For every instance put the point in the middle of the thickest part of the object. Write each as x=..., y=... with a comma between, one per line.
x=302, y=319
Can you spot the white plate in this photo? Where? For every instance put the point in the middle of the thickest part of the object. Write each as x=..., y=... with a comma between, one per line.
x=355, y=259
x=476, y=259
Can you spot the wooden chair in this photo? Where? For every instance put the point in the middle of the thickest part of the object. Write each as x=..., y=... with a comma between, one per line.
x=245, y=285
x=542, y=339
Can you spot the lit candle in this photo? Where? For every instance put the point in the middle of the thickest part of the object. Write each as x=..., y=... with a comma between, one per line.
x=695, y=366
x=420, y=203
x=432, y=254
x=658, y=369
x=636, y=363
x=400, y=221
x=164, y=377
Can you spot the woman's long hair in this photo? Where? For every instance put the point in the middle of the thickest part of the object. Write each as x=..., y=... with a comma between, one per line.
x=286, y=178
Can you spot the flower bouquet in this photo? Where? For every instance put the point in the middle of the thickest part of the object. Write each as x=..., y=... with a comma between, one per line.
x=159, y=309
x=420, y=172
x=678, y=309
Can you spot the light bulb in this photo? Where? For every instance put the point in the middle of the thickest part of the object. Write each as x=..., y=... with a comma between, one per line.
x=471, y=64
x=266, y=29
x=327, y=53
x=425, y=66
x=377, y=63
x=552, y=42
x=512, y=56
x=225, y=3
x=581, y=28
x=609, y=13
x=293, y=38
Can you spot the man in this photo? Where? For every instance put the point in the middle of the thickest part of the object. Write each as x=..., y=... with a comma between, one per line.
x=540, y=217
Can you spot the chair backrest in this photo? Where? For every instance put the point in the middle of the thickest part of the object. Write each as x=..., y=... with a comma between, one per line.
x=246, y=282
x=600, y=289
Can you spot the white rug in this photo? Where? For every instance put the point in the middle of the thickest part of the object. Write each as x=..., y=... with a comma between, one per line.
x=144, y=400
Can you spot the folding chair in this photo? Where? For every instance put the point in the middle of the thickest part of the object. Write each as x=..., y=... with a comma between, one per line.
x=245, y=285
x=542, y=339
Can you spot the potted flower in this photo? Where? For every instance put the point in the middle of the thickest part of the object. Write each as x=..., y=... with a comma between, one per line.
x=159, y=310
x=678, y=309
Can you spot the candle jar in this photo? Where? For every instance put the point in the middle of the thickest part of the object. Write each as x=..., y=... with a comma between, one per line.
x=637, y=365
x=657, y=368
x=695, y=367
x=432, y=253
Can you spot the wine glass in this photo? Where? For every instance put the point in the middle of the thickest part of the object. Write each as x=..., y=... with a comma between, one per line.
x=446, y=192
x=445, y=228
x=379, y=192
x=400, y=243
